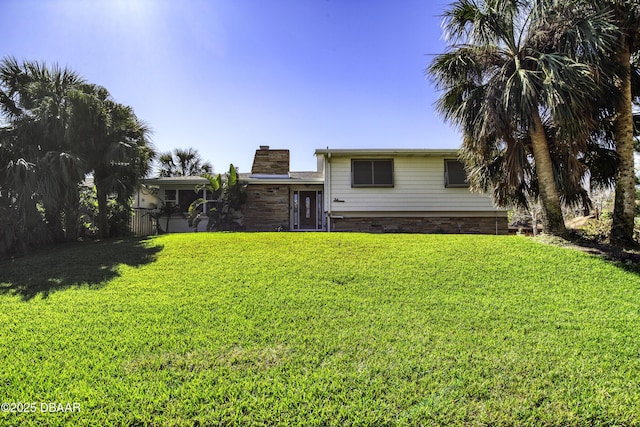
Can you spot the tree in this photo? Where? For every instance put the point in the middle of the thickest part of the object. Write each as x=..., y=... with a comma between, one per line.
x=55, y=128
x=115, y=146
x=39, y=164
x=225, y=205
x=183, y=162
x=625, y=57
x=514, y=82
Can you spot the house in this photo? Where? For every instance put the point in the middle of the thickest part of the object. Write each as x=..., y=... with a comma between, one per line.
x=409, y=190
x=369, y=190
x=272, y=192
x=177, y=192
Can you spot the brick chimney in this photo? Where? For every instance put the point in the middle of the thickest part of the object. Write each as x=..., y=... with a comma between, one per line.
x=270, y=162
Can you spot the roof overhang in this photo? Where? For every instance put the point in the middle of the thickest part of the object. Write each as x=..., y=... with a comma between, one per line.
x=284, y=181
x=175, y=180
x=405, y=152
x=292, y=178
x=269, y=176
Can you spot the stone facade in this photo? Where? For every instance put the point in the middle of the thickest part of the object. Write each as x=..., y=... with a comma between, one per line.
x=445, y=225
x=267, y=208
x=270, y=162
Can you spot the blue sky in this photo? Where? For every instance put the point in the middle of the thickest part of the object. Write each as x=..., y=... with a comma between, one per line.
x=226, y=76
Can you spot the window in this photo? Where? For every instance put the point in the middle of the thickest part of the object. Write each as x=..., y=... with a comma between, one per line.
x=181, y=198
x=210, y=195
x=171, y=196
x=454, y=174
x=372, y=173
x=186, y=197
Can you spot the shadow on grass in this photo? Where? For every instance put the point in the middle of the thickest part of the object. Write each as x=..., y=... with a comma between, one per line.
x=90, y=264
x=627, y=258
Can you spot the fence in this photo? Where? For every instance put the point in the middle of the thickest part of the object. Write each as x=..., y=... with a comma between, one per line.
x=142, y=222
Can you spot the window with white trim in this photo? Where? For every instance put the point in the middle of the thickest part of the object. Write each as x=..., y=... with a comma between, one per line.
x=171, y=196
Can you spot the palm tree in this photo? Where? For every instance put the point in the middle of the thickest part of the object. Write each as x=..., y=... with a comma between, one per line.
x=183, y=162
x=509, y=172
x=627, y=15
x=114, y=145
x=54, y=129
x=34, y=99
x=511, y=67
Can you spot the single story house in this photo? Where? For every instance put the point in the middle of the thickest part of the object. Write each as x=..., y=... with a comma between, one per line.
x=370, y=190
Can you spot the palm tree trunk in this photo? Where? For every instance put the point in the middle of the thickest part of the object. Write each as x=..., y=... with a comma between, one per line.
x=71, y=217
x=54, y=224
x=549, y=196
x=103, y=220
x=624, y=208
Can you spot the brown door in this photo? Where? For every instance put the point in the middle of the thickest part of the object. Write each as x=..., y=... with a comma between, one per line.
x=308, y=210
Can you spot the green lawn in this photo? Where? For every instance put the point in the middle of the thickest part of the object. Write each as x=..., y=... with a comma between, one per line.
x=319, y=329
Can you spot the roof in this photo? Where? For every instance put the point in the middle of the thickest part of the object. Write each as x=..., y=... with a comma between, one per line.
x=290, y=178
x=407, y=152
x=173, y=180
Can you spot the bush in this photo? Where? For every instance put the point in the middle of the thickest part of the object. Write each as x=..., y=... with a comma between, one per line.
x=119, y=217
x=20, y=231
x=598, y=229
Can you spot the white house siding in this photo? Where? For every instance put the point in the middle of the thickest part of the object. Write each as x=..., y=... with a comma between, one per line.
x=418, y=189
x=145, y=198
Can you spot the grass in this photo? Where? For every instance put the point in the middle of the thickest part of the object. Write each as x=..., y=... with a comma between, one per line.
x=320, y=329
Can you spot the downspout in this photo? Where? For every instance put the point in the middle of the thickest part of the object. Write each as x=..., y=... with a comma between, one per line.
x=327, y=186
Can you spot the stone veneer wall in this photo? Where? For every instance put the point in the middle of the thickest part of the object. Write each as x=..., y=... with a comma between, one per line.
x=271, y=162
x=466, y=225
x=266, y=207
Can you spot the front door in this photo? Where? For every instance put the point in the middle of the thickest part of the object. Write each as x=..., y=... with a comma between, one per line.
x=308, y=211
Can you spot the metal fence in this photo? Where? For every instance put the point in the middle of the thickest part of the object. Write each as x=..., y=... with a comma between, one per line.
x=142, y=222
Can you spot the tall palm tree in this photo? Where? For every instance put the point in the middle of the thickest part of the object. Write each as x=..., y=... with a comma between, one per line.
x=511, y=67
x=183, y=162
x=34, y=99
x=131, y=156
x=115, y=147
x=627, y=15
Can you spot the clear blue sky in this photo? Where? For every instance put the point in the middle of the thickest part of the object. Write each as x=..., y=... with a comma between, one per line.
x=225, y=76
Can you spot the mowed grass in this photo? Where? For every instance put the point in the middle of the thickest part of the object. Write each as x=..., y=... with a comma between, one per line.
x=320, y=329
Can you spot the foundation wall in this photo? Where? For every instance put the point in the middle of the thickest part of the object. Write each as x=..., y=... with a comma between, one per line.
x=444, y=225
